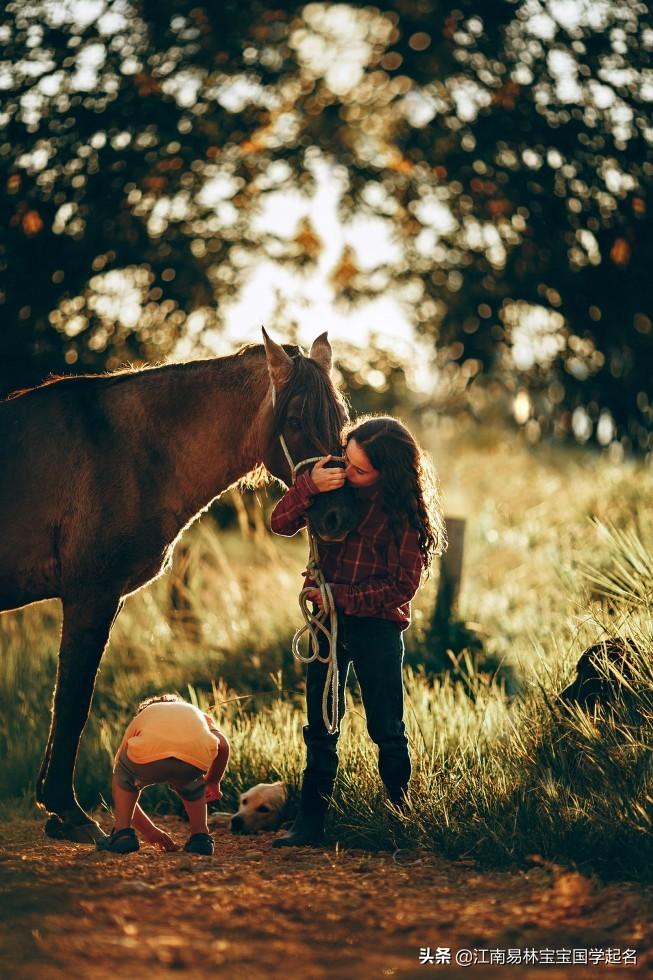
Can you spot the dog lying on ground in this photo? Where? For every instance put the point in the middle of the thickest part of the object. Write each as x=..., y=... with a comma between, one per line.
x=260, y=808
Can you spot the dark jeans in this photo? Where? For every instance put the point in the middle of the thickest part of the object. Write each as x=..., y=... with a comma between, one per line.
x=375, y=648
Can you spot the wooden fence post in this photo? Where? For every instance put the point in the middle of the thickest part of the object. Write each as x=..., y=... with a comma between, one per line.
x=451, y=572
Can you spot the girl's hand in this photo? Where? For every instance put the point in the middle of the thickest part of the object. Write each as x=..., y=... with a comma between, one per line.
x=325, y=479
x=159, y=839
x=316, y=597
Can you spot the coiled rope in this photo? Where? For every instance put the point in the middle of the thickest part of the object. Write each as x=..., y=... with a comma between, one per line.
x=314, y=624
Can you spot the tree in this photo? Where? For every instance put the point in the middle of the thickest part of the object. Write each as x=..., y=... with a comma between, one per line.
x=508, y=144
x=117, y=132
x=523, y=178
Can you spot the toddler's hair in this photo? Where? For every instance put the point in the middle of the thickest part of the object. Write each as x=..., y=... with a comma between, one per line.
x=155, y=700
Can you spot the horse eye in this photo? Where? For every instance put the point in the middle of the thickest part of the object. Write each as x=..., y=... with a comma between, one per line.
x=294, y=424
x=244, y=802
x=263, y=808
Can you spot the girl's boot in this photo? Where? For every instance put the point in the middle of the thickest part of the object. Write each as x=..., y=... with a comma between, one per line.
x=308, y=828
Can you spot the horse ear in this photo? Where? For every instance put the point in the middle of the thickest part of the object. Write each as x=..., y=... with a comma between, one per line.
x=322, y=353
x=279, y=363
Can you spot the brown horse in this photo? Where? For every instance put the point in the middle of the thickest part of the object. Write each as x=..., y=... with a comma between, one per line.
x=99, y=475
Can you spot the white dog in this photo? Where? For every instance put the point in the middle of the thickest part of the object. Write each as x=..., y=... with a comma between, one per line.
x=260, y=808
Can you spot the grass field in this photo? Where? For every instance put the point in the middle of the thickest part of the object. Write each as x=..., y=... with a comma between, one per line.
x=558, y=553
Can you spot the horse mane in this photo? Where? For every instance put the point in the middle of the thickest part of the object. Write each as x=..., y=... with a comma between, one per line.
x=125, y=373
x=106, y=376
x=50, y=380
x=323, y=406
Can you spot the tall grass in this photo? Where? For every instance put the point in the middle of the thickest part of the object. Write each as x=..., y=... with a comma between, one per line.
x=558, y=554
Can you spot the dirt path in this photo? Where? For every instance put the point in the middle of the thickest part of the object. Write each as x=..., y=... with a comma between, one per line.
x=253, y=912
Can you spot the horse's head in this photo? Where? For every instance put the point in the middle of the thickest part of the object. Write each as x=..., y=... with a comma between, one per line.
x=334, y=514
x=308, y=415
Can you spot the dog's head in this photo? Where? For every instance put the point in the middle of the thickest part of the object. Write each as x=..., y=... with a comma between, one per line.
x=260, y=808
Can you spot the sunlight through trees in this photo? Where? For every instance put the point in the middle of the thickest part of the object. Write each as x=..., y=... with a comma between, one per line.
x=505, y=148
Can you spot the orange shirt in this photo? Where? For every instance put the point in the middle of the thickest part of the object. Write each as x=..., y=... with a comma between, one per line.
x=171, y=728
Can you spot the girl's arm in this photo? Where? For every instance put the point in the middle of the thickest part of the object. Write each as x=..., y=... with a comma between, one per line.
x=383, y=592
x=289, y=515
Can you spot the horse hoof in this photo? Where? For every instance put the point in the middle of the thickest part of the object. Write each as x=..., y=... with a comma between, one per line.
x=88, y=832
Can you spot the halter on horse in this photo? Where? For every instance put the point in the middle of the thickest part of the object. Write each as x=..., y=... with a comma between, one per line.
x=314, y=623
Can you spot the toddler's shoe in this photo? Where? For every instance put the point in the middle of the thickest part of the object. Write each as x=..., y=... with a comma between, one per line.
x=199, y=844
x=122, y=841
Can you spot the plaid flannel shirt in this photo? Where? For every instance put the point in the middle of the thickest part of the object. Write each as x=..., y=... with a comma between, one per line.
x=369, y=574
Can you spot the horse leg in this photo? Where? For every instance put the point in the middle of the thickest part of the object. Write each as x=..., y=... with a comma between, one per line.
x=86, y=627
x=46, y=760
x=48, y=749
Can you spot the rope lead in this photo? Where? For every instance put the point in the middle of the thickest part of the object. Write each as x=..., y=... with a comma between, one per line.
x=314, y=623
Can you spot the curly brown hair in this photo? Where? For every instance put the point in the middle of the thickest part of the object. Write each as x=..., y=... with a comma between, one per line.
x=409, y=483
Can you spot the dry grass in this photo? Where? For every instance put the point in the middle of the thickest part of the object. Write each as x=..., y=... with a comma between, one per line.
x=557, y=552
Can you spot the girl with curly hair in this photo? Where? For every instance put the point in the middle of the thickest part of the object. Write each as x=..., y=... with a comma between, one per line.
x=373, y=573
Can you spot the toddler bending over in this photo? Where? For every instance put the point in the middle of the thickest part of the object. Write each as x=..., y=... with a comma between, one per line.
x=169, y=741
